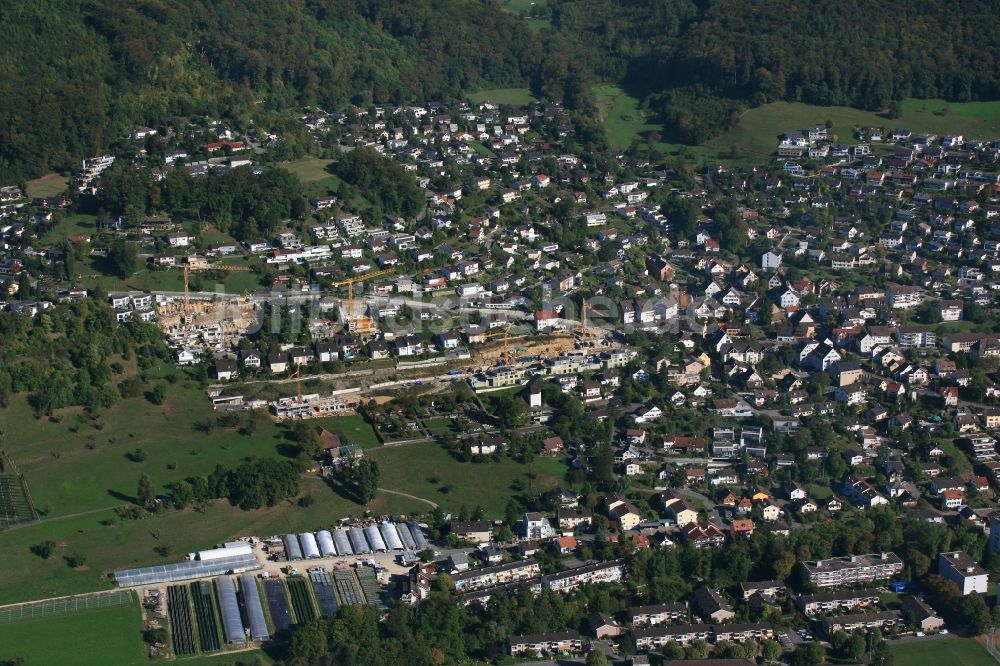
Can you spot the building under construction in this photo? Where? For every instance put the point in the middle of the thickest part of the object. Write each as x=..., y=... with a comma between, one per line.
x=313, y=405
x=205, y=323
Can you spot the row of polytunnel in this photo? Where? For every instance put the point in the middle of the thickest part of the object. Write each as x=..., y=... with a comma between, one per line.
x=376, y=538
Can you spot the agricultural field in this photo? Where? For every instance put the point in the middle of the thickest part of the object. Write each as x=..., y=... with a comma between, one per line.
x=302, y=603
x=93, y=637
x=277, y=605
x=512, y=96
x=965, y=651
x=108, y=542
x=181, y=625
x=204, y=610
x=427, y=471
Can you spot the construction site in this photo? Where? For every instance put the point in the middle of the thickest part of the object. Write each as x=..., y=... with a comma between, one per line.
x=205, y=323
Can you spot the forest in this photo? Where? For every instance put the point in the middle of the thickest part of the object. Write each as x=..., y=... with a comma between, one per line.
x=237, y=202
x=76, y=76
x=61, y=357
x=698, y=65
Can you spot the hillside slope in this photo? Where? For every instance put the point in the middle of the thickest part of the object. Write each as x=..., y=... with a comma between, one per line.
x=76, y=74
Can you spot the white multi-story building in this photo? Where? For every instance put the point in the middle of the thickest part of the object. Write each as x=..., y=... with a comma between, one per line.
x=964, y=571
x=837, y=571
x=612, y=571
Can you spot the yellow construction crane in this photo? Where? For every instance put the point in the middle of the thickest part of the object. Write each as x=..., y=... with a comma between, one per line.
x=236, y=268
x=359, y=323
x=585, y=330
x=505, y=354
x=297, y=375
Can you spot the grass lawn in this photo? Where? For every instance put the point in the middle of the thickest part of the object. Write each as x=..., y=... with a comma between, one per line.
x=71, y=225
x=439, y=425
x=123, y=544
x=309, y=169
x=963, y=651
x=48, y=185
x=960, y=460
x=426, y=470
x=819, y=492
x=522, y=5
x=352, y=429
x=238, y=283
x=537, y=25
x=512, y=96
x=317, y=180
x=482, y=150
x=104, y=636
x=756, y=137
x=622, y=118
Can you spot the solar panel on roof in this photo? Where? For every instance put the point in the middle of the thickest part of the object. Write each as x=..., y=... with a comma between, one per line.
x=229, y=607
x=255, y=612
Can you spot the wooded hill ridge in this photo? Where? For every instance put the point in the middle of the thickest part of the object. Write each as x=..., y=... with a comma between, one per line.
x=77, y=75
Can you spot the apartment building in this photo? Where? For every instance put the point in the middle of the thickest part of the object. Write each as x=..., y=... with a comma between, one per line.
x=836, y=602
x=652, y=638
x=903, y=296
x=546, y=644
x=850, y=623
x=478, y=579
x=961, y=569
x=768, y=589
x=741, y=633
x=647, y=616
x=852, y=569
x=612, y=571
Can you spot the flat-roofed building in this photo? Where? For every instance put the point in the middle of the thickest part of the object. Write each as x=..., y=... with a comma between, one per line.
x=545, y=644
x=501, y=574
x=852, y=569
x=838, y=601
x=850, y=623
x=646, y=616
x=652, y=638
x=961, y=569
